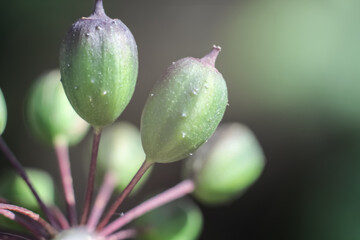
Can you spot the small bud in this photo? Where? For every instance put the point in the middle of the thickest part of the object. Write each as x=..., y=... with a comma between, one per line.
x=76, y=233
x=226, y=165
x=49, y=113
x=121, y=153
x=17, y=192
x=184, y=109
x=181, y=219
x=3, y=113
x=99, y=66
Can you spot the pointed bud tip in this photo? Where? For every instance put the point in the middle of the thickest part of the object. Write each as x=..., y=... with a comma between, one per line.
x=210, y=58
x=99, y=8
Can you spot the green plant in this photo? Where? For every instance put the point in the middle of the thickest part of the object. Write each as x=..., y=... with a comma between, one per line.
x=98, y=65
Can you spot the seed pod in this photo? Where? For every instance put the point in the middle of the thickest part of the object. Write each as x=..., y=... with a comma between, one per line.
x=121, y=153
x=184, y=109
x=177, y=220
x=99, y=66
x=3, y=113
x=49, y=113
x=13, y=187
x=226, y=165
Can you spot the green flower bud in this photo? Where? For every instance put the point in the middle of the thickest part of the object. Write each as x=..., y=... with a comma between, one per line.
x=99, y=66
x=49, y=113
x=3, y=113
x=121, y=153
x=184, y=109
x=226, y=165
x=13, y=187
x=178, y=220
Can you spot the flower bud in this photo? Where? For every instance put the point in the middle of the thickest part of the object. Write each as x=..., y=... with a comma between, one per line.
x=3, y=113
x=226, y=165
x=181, y=219
x=121, y=153
x=17, y=191
x=99, y=66
x=49, y=113
x=184, y=109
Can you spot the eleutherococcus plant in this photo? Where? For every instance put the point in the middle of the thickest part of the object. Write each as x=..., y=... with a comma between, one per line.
x=98, y=66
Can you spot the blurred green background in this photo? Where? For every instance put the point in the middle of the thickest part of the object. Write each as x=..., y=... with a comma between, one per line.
x=293, y=73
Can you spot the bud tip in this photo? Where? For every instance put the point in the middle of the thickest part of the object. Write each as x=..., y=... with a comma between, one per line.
x=211, y=57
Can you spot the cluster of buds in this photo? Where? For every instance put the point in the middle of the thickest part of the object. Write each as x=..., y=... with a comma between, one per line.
x=98, y=73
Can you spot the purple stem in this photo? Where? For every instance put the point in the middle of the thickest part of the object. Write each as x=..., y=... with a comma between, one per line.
x=125, y=234
x=20, y=170
x=62, y=153
x=178, y=191
x=52, y=231
x=60, y=218
x=10, y=215
x=91, y=178
x=144, y=167
x=102, y=199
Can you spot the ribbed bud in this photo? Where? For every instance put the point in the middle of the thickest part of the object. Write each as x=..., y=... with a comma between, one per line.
x=184, y=109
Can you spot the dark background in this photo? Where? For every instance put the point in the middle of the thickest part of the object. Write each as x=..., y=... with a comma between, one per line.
x=293, y=72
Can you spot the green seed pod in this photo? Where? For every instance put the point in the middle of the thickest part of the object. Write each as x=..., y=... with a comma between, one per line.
x=184, y=109
x=49, y=113
x=13, y=187
x=179, y=220
x=99, y=66
x=3, y=113
x=121, y=153
x=226, y=165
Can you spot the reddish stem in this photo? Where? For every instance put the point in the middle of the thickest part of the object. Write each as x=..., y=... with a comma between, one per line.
x=62, y=153
x=91, y=178
x=125, y=234
x=31, y=215
x=60, y=218
x=10, y=215
x=178, y=191
x=102, y=199
x=20, y=170
x=144, y=167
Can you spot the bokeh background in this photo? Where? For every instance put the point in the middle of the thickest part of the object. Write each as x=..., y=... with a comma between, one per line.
x=293, y=72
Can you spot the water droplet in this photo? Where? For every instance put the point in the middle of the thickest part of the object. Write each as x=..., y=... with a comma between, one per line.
x=92, y=81
x=98, y=28
x=68, y=65
x=104, y=92
x=87, y=34
x=151, y=94
x=195, y=91
x=90, y=99
x=76, y=87
x=184, y=115
x=122, y=214
x=190, y=154
x=173, y=63
x=183, y=135
x=206, y=86
x=227, y=104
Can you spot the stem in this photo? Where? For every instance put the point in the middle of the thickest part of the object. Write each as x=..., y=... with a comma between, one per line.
x=178, y=191
x=144, y=167
x=10, y=215
x=102, y=199
x=62, y=153
x=20, y=170
x=60, y=218
x=125, y=234
x=52, y=231
x=91, y=178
